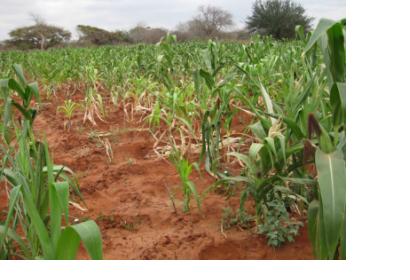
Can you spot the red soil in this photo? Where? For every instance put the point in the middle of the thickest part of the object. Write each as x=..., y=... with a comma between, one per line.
x=129, y=198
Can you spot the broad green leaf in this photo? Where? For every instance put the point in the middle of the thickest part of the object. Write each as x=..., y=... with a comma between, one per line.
x=208, y=79
x=321, y=29
x=246, y=160
x=34, y=89
x=298, y=181
x=195, y=193
x=68, y=244
x=316, y=231
x=258, y=130
x=342, y=92
x=268, y=104
x=14, y=193
x=16, y=87
x=332, y=186
x=4, y=231
x=38, y=224
x=254, y=150
x=20, y=75
x=88, y=233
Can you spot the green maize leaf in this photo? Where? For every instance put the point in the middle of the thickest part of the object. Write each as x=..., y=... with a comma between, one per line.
x=271, y=144
x=195, y=193
x=63, y=193
x=321, y=29
x=11, y=176
x=332, y=186
x=298, y=181
x=55, y=215
x=14, y=193
x=254, y=150
x=56, y=169
x=20, y=75
x=238, y=179
x=315, y=229
x=337, y=52
x=10, y=233
x=59, y=199
x=208, y=79
x=16, y=87
x=69, y=242
x=7, y=115
x=38, y=224
x=342, y=92
x=343, y=241
x=300, y=32
x=268, y=103
x=23, y=111
x=34, y=89
x=282, y=146
x=4, y=86
x=258, y=130
x=246, y=160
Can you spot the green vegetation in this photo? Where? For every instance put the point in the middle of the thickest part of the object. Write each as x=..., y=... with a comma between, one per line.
x=37, y=223
x=288, y=160
x=278, y=18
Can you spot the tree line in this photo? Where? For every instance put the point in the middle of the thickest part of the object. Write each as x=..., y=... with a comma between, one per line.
x=275, y=18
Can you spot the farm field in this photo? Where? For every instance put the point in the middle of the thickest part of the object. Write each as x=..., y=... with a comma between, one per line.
x=200, y=150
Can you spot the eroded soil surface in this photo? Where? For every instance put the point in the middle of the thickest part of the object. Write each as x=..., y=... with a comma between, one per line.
x=130, y=197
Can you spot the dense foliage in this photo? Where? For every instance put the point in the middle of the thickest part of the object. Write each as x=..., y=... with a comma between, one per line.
x=39, y=36
x=278, y=18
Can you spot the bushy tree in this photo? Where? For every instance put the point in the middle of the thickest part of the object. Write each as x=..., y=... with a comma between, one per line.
x=38, y=36
x=146, y=34
x=278, y=18
x=98, y=36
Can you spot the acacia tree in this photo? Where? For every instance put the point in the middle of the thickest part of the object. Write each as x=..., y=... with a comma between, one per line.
x=98, y=36
x=209, y=21
x=39, y=36
x=277, y=18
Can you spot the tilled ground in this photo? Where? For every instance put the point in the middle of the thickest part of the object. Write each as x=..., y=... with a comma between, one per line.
x=130, y=197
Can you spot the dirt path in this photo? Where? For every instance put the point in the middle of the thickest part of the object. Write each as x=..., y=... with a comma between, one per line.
x=129, y=198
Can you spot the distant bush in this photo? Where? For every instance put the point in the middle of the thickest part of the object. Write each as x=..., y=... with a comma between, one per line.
x=97, y=36
x=278, y=18
x=146, y=34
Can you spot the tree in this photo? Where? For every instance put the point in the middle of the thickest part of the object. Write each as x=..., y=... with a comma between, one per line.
x=146, y=34
x=39, y=36
x=98, y=36
x=209, y=22
x=278, y=18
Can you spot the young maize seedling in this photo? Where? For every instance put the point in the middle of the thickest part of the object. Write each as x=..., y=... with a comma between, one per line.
x=68, y=110
x=184, y=169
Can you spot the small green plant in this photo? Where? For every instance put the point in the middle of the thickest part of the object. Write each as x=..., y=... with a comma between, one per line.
x=68, y=110
x=240, y=219
x=184, y=169
x=278, y=226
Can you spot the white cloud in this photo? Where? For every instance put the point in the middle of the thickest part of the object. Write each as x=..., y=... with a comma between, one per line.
x=123, y=14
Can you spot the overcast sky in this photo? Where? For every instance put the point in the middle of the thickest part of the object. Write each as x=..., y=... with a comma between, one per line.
x=124, y=14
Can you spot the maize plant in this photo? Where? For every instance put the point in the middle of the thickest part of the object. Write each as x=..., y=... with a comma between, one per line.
x=37, y=224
